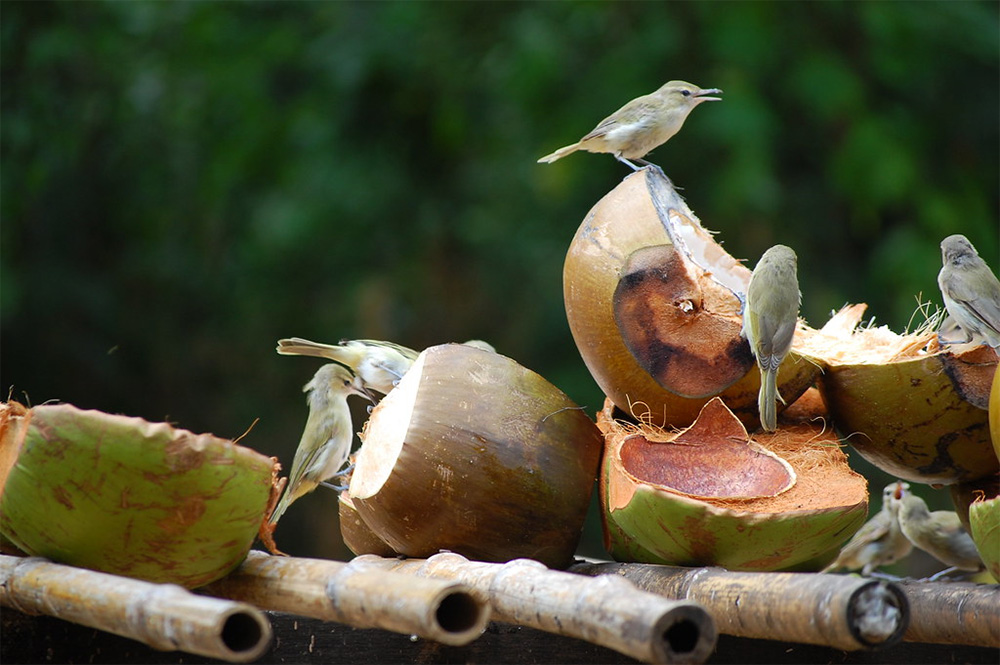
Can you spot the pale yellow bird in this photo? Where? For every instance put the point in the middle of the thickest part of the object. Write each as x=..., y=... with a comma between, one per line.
x=326, y=441
x=770, y=313
x=380, y=365
x=642, y=124
x=879, y=542
x=939, y=533
x=970, y=290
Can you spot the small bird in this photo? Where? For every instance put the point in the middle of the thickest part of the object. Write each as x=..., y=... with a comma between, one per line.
x=970, y=290
x=380, y=365
x=879, y=542
x=642, y=124
x=770, y=313
x=326, y=441
x=939, y=533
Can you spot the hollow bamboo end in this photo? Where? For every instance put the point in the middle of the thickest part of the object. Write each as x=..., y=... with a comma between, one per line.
x=684, y=634
x=244, y=635
x=878, y=614
x=459, y=616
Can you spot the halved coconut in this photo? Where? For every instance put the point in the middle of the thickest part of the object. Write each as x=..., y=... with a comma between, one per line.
x=473, y=453
x=912, y=409
x=984, y=526
x=651, y=302
x=357, y=535
x=126, y=496
x=711, y=495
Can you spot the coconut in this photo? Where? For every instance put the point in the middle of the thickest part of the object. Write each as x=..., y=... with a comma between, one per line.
x=127, y=496
x=473, y=453
x=984, y=527
x=651, y=302
x=357, y=535
x=908, y=406
x=712, y=495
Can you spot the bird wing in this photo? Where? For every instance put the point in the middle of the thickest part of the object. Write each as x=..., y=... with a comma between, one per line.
x=637, y=108
x=986, y=306
x=404, y=351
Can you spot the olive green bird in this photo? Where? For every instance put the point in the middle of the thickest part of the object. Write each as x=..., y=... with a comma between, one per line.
x=879, y=542
x=770, y=313
x=326, y=441
x=970, y=290
x=642, y=124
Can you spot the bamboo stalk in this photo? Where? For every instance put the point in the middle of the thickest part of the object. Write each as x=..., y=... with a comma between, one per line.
x=607, y=611
x=953, y=613
x=162, y=616
x=838, y=611
x=439, y=610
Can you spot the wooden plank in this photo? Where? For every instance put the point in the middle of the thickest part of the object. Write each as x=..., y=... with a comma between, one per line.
x=40, y=639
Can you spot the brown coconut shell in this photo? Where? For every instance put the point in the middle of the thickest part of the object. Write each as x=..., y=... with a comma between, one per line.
x=651, y=302
x=475, y=454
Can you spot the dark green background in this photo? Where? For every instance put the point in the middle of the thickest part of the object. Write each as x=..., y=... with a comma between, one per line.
x=185, y=183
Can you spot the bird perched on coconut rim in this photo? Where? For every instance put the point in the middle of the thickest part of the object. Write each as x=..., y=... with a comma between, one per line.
x=770, y=313
x=642, y=124
x=380, y=365
x=970, y=290
x=939, y=533
x=879, y=542
x=326, y=441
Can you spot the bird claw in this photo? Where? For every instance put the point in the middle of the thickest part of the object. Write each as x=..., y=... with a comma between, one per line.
x=336, y=488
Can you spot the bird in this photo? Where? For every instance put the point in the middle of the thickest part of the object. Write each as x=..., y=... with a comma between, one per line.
x=642, y=124
x=380, y=365
x=326, y=441
x=970, y=290
x=770, y=313
x=939, y=533
x=879, y=542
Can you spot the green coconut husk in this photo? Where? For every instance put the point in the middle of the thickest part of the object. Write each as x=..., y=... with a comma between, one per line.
x=126, y=496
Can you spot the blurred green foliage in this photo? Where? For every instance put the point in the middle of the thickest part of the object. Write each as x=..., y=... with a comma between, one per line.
x=183, y=183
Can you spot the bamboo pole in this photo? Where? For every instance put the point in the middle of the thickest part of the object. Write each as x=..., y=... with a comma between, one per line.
x=607, y=611
x=838, y=611
x=439, y=610
x=162, y=616
x=953, y=613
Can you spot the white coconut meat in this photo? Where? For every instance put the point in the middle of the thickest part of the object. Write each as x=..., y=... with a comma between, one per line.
x=383, y=438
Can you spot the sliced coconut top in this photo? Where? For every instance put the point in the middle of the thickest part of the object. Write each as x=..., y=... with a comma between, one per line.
x=384, y=437
x=822, y=479
x=714, y=458
x=842, y=341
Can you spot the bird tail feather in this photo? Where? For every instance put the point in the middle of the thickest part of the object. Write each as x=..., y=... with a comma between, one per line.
x=767, y=400
x=560, y=153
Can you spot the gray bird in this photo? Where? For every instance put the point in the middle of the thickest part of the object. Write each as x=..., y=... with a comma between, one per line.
x=970, y=290
x=879, y=542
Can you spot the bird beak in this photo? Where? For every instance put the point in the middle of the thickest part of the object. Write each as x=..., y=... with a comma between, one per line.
x=700, y=95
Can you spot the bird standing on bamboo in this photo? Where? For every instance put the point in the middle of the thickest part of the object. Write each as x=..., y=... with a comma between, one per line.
x=939, y=533
x=770, y=314
x=326, y=441
x=970, y=290
x=879, y=542
x=642, y=124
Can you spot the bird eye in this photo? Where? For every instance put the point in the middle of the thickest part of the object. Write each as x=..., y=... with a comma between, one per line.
x=686, y=93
